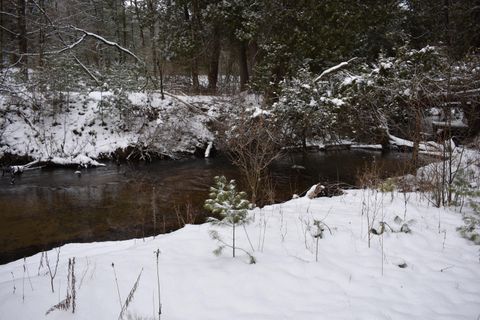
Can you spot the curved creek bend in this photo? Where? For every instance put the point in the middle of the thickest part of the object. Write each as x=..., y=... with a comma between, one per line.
x=51, y=207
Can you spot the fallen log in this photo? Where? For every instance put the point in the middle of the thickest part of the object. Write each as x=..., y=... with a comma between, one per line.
x=19, y=169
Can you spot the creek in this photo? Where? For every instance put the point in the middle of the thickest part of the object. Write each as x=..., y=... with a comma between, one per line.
x=53, y=206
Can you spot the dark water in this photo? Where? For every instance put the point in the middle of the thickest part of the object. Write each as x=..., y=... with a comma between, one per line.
x=50, y=207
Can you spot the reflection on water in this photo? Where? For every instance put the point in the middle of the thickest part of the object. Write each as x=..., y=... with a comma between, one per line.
x=50, y=207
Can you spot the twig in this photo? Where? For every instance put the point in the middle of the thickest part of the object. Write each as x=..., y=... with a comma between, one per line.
x=28, y=274
x=446, y=268
x=54, y=273
x=248, y=238
x=116, y=282
x=13, y=279
x=157, y=253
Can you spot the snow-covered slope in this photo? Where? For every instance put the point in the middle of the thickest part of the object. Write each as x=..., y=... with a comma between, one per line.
x=87, y=126
x=429, y=273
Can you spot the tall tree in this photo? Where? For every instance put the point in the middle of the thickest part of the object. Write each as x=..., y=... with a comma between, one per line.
x=22, y=36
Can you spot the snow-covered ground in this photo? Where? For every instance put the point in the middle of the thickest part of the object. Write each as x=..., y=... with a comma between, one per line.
x=429, y=273
x=88, y=126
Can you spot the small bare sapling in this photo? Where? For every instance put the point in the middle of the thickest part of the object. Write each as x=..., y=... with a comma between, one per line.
x=53, y=272
x=70, y=299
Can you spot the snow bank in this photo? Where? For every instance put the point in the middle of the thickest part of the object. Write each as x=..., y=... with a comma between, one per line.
x=88, y=126
x=429, y=273
x=464, y=161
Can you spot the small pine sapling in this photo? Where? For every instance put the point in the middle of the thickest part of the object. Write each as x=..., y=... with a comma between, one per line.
x=230, y=205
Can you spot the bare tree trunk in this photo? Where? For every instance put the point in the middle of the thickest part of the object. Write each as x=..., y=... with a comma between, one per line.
x=195, y=82
x=139, y=19
x=446, y=16
x=195, y=28
x=118, y=26
x=132, y=29
x=243, y=65
x=2, y=40
x=41, y=38
x=214, y=60
x=233, y=239
x=476, y=19
x=22, y=36
x=124, y=23
x=152, y=12
x=104, y=60
x=416, y=136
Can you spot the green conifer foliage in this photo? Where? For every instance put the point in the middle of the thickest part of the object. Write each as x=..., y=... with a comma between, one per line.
x=229, y=204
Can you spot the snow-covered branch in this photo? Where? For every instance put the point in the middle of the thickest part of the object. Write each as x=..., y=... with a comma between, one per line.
x=333, y=69
x=107, y=42
x=53, y=25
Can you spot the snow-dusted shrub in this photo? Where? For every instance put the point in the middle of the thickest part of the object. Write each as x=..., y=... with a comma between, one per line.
x=251, y=139
x=471, y=227
x=393, y=95
x=231, y=206
x=117, y=105
x=467, y=193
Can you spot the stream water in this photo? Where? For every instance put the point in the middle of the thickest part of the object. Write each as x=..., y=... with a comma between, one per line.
x=54, y=206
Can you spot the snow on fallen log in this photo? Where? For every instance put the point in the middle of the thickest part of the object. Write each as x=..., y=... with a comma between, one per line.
x=19, y=169
x=367, y=146
x=425, y=147
x=209, y=149
x=399, y=142
x=81, y=160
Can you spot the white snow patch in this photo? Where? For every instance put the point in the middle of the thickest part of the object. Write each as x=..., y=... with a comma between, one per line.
x=441, y=278
x=367, y=146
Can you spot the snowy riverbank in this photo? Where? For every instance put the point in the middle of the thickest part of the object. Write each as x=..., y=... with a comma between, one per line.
x=428, y=273
x=83, y=127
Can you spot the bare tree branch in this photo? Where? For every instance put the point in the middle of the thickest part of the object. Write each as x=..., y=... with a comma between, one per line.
x=69, y=47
